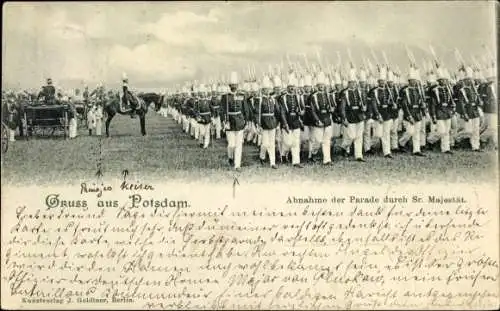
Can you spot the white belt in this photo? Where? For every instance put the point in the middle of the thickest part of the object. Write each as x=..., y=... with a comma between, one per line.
x=204, y=113
x=415, y=106
x=234, y=113
x=216, y=107
x=268, y=114
x=355, y=108
x=384, y=106
x=323, y=111
x=293, y=113
x=445, y=105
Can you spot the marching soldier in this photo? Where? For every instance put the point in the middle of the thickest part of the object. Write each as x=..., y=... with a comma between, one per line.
x=468, y=106
x=352, y=110
x=234, y=116
x=382, y=103
x=321, y=112
x=185, y=109
x=215, y=107
x=266, y=118
x=413, y=106
x=490, y=107
x=251, y=135
x=442, y=109
x=308, y=119
x=291, y=124
x=204, y=116
x=367, y=90
x=277, y=89
x=394, y=110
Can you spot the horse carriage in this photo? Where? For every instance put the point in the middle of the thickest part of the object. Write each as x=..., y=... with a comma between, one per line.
x=47, y=120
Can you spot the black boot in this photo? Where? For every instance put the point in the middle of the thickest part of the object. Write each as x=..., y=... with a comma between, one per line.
x=90, y=132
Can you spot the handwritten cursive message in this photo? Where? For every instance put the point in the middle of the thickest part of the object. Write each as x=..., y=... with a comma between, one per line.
x=155, y=249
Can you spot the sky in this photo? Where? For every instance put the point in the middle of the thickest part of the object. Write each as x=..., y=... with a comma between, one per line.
x=160, y=45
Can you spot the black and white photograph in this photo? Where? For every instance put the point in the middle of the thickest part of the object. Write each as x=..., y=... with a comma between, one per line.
x=269, y=90
x=250, y=155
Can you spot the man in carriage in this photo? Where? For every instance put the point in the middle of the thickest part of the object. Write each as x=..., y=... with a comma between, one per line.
x=48, y=93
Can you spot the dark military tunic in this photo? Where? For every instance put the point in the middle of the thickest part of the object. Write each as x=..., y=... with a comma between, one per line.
x=308, y=118
x=290, y=111
x=412, y=103
x=468, y=101
x=266, y=112
x=382, y=103
x=235, y=110
x=48, y=92
x=486, y=92
x=442, y=105
x=215, y=106
x=352, y=106
x=394, y=109
x=320, y=108
x=203, y=111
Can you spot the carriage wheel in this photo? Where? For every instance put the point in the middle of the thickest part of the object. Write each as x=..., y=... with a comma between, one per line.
x=5, y=138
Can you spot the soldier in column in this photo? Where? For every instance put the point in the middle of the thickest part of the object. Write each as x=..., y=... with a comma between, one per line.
x=382, y=104
x=251, y=98
x=367, y=88
x=336, y=120
x=291, y=123
x=266, y=115
x=442, y=109
x=321, y=111
x=413, y=107
x=433, y=136
x=487, y=91
x=185, y=109
x=352, y=111
x=394, y=109
x=234, y=116
x=308, y=119
x=215, y=106
x=276, y=93
x=469, y=104
x=204, y=116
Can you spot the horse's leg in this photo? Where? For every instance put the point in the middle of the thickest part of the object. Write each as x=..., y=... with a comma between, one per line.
x=142, y=118
x=108, y=121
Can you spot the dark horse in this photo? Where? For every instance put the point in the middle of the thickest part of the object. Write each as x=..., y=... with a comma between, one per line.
x=156, y=99
x=141, y=102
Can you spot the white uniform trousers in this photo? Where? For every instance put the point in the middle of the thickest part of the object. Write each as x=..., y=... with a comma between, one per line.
x=185, y=124
x=268, y=145
x=279, y=141
x=433, y=135
x=491, y=131
x=322, y=136
x=217, y=126
x=354, y=133
x=204, y=136
x=412, y=131
x=471, y=130
x=235, y=146
x=370, y=125
x=383, y=132
x=444, y=131
x=12, y=135
x=91, y=120
x=306, y=137
x=423, y=131
x=73, y=131
x=454, y=129
x=394, y=133
x=291, y=142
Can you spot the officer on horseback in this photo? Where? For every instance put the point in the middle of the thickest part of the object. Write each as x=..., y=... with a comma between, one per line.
x=128, y=97
x=48, y=93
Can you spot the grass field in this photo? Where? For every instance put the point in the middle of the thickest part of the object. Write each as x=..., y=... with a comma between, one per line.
x=168, y=153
